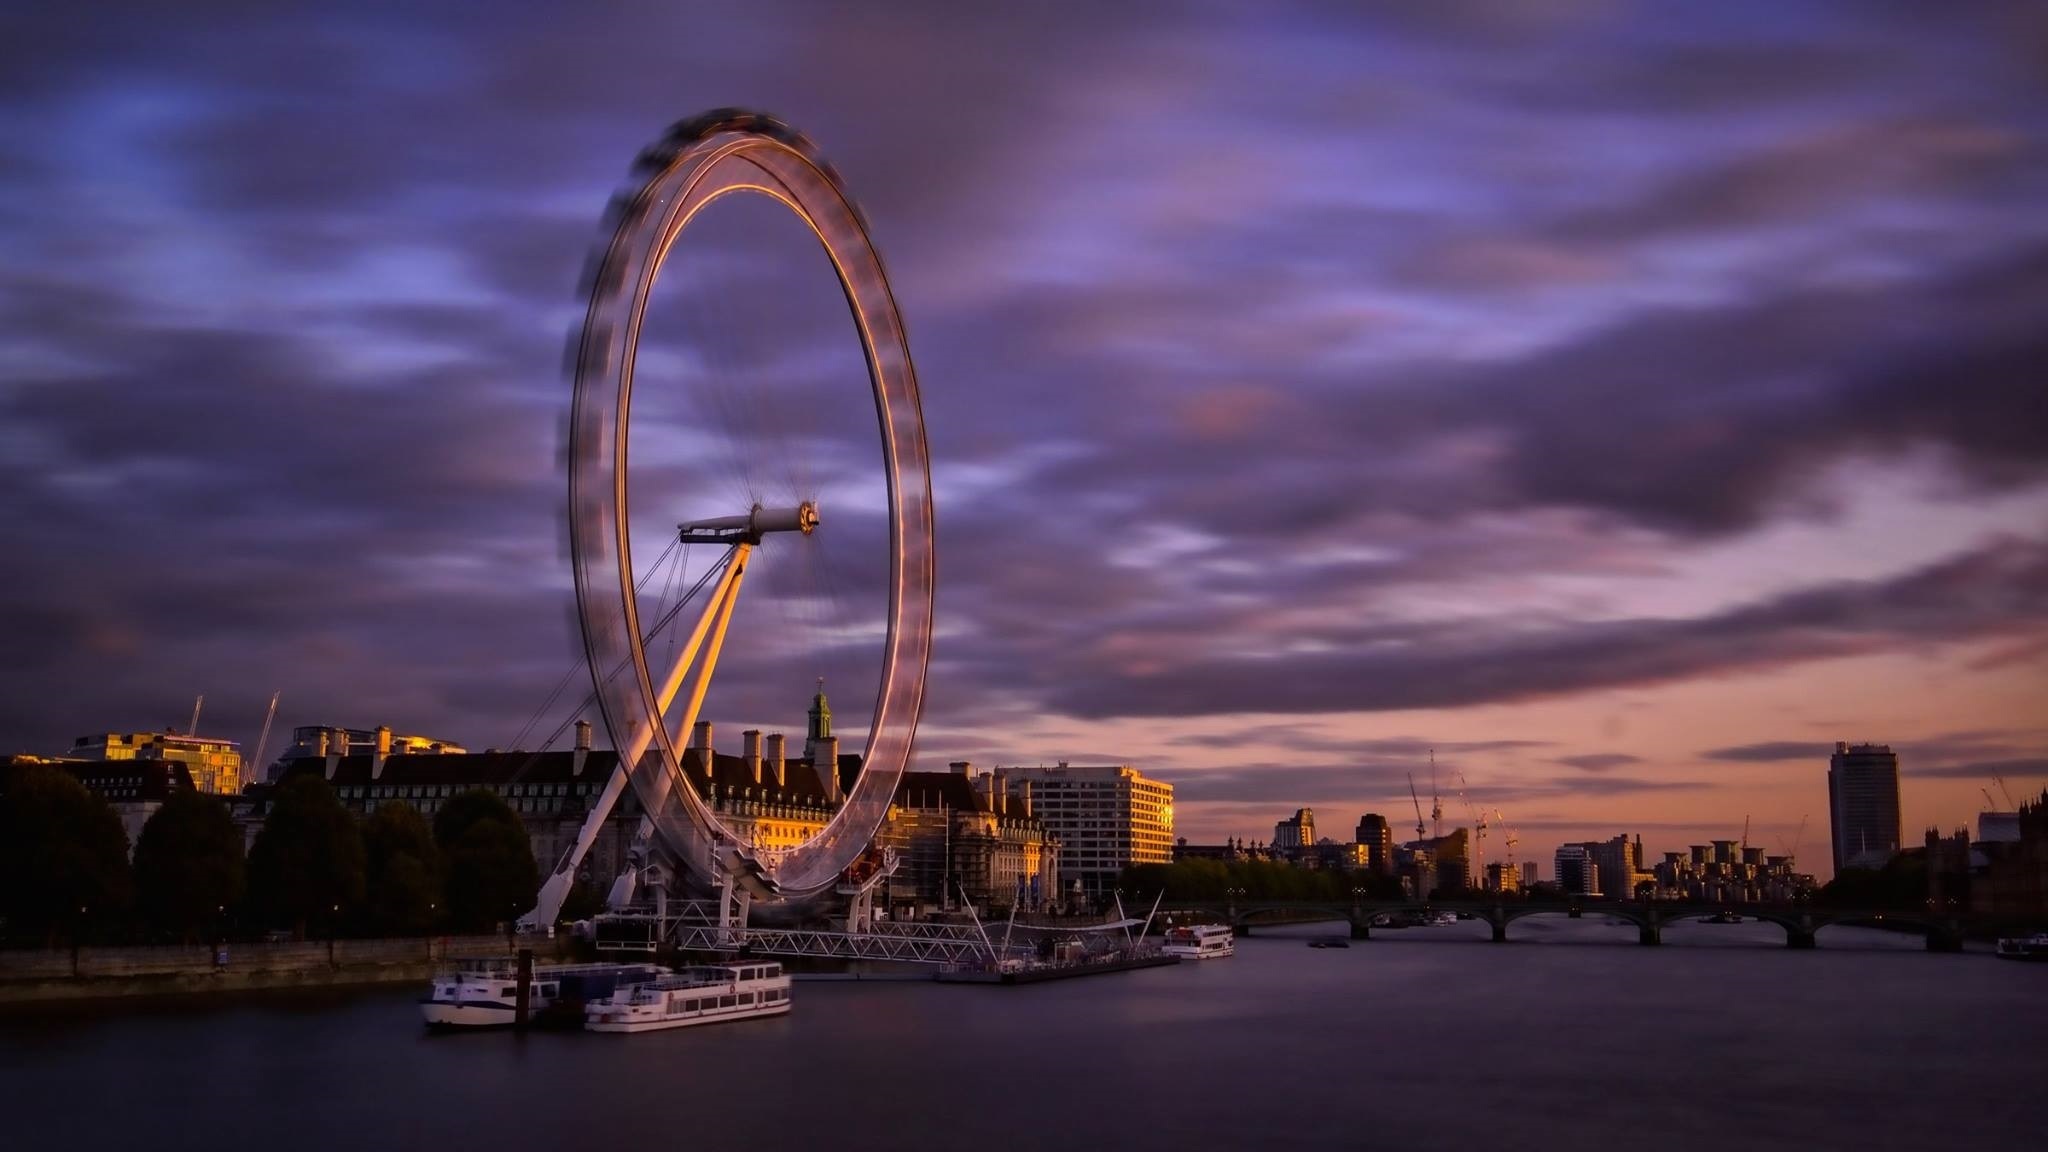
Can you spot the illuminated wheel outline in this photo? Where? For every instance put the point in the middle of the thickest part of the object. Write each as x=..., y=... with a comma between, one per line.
x=699, y=161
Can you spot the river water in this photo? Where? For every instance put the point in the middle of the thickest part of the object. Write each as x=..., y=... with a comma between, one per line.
x=1572, y=1035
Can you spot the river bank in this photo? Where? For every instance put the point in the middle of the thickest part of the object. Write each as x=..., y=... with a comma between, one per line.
x=58, y=975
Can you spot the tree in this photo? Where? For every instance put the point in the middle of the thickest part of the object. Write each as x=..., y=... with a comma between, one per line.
x=307, y=862
x=491, y=874
x=583, y=901
x=188, y=865
x=401, y=870
x=63, y=855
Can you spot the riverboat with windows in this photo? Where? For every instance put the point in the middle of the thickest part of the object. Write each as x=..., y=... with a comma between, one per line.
x=703, y=995
x=2033, y=947
x=1201, y=942
x=484, y=993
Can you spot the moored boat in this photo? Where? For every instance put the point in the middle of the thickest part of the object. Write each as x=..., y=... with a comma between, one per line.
x=2033, y=947
x=1201, y=942
x=707, y=994
x=484, y=993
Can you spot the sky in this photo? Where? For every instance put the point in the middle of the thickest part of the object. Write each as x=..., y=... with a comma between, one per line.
x=1626, y=402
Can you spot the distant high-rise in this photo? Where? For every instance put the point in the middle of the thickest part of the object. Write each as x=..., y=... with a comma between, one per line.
x=1863, y=805
x=1297, y=831
x=1577, y=871
x=1378, y=837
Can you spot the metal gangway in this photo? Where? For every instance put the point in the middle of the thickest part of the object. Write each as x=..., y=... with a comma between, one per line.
x=698, y=926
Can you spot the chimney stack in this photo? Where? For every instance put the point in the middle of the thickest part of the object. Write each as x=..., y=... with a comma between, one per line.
x=581, y=755
x=775, y=757
x=999, y=789
x=383, y=752
x=752, y=751
x=962, y=768
x=827, y=765
x=700, y=736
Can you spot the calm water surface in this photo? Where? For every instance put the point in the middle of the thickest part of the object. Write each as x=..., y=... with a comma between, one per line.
x=1426, y=1038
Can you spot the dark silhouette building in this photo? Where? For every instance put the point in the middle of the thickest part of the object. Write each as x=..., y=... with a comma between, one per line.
x=1863, y=805
x=1378, y=838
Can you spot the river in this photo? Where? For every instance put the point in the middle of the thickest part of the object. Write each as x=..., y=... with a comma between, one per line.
x=1571, y=1035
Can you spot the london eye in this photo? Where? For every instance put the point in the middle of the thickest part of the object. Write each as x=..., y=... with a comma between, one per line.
x=650, y=694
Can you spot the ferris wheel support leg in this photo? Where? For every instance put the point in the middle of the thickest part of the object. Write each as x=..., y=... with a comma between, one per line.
x=718, y=611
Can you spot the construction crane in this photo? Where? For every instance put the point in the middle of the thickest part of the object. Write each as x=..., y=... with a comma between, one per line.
x=256, y=762
x=1509, y=839
x=1986, y=792
x=1478, y=831
x=1436, y=800
x=1798, y=838
x=1745, y=835
x=1421, y=829
x=192, y=729
x=2004, y=791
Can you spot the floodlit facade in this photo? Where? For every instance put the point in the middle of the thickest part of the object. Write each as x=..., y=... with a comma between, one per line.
x=215, y=765
x=1105, y=818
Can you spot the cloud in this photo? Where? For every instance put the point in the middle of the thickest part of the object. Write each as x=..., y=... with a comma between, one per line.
x=1981, y=593
x=1289, y=416
x=2025, y=768
x=1772, y=752
x=1599, y=761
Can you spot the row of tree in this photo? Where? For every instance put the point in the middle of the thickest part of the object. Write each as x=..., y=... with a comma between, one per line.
x=66, y=871
x=1255, y=880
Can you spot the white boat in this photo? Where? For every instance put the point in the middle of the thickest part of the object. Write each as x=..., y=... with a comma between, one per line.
x=2033, y=947
x=702, y=995
x=1443, y=919
x=484, y=993
x=1201, y=942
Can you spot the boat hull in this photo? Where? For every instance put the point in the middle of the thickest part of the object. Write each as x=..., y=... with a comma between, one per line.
x=653, y=1023
x=478, y=1014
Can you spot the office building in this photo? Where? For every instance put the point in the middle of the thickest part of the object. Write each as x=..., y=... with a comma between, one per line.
x=1577, y=871
x=1296, y=832
x=1503, y=876
x=1378, y=838
x=1863, y=805
x=1105, y=818
x=1620, y=865
x=215, y=765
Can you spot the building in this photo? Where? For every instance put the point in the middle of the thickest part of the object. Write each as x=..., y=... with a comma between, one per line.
x=1577, y=871
x=773, y=802
x=1620, y=864
x=321, y=740
x=133, y=788
x=1503, y=876
x=1296, y=832
x=1378, y=837
x=1863, y=805
x=1532, y=873
x=215, y=765
x=1105, y=818
x=970, y=833
x=1452, y=856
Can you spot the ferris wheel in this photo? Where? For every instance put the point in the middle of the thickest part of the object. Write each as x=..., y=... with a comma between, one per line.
x=651, y=696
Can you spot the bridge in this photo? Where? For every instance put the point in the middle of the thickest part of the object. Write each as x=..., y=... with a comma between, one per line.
x=1801, y=922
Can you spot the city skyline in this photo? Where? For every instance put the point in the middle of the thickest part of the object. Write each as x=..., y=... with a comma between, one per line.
x=1627, y=408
